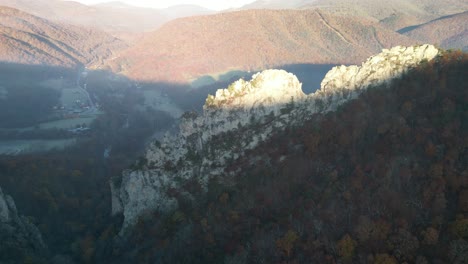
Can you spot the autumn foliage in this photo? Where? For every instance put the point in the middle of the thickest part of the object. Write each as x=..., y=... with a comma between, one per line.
x=383, y=179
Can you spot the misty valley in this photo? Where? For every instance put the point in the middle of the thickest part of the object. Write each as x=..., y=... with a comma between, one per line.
x=314, y=131
x=91, y=124
x=49, y=108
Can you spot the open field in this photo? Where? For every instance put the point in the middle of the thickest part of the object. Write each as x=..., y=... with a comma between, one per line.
x=67, y=123
x=70, y=96
x=58, y=124
x=16, y=147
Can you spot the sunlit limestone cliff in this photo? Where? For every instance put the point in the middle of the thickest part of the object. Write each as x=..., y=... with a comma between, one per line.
x=236, y=119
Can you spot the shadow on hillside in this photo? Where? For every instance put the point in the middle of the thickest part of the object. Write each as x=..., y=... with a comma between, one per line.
x=24, y=99
x=14, y=73
x=310, y=75
x=413, y=27
x=71, y=190
x=187, y=97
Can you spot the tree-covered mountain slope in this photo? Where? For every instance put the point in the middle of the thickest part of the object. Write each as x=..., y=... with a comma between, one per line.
x=394, y=14
x=110, y=17
x=28, y=39
x=380, y=177
x=251, y=40
x=450, y=32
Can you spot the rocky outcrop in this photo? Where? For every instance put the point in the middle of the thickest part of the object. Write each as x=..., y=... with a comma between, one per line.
x=269, y=89
x=7, y=207
x=236, y=119
x=207, y=143
x=377, y=69
x=19, y=238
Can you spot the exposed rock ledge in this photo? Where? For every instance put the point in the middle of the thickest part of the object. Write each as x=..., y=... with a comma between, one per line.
x=17, y=232
x=266, y=89
x=238, y=118
x=377, y=69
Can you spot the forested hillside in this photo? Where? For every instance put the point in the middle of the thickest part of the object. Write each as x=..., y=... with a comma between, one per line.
x=110, y=17
x=448, y=32
x=381, y=180
x=28, y=39
x=394, y=14
x=185, y=49
x=126, y=135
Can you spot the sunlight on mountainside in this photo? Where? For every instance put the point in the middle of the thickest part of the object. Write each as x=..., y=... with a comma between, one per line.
x=268, y=131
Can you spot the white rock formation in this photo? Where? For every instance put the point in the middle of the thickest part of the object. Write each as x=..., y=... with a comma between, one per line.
x=377, y=69
x=238, y=118
x=7, y=208
x=343, y=83
x=18, y=230
x=269, y=89
x=192, y=153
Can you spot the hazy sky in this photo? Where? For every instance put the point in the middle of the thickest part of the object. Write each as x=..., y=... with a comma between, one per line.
x=211, y=4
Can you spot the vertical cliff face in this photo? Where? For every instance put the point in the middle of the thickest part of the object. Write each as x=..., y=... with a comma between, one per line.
x=236, y=119
x=17, y=233
x=7, y=208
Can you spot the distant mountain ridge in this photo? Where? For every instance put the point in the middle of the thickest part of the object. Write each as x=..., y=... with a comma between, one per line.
x=395, y=14
x=105, y=18
x=115, y=4
x=448, y=32
x=25, y=38
x=184, y=49
x=277, y=4
x=185, y=11
x=187, y=48
x=112, y=17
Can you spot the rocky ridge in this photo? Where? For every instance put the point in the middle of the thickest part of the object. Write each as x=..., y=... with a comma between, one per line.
x=17, y=233
x=236, y=119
